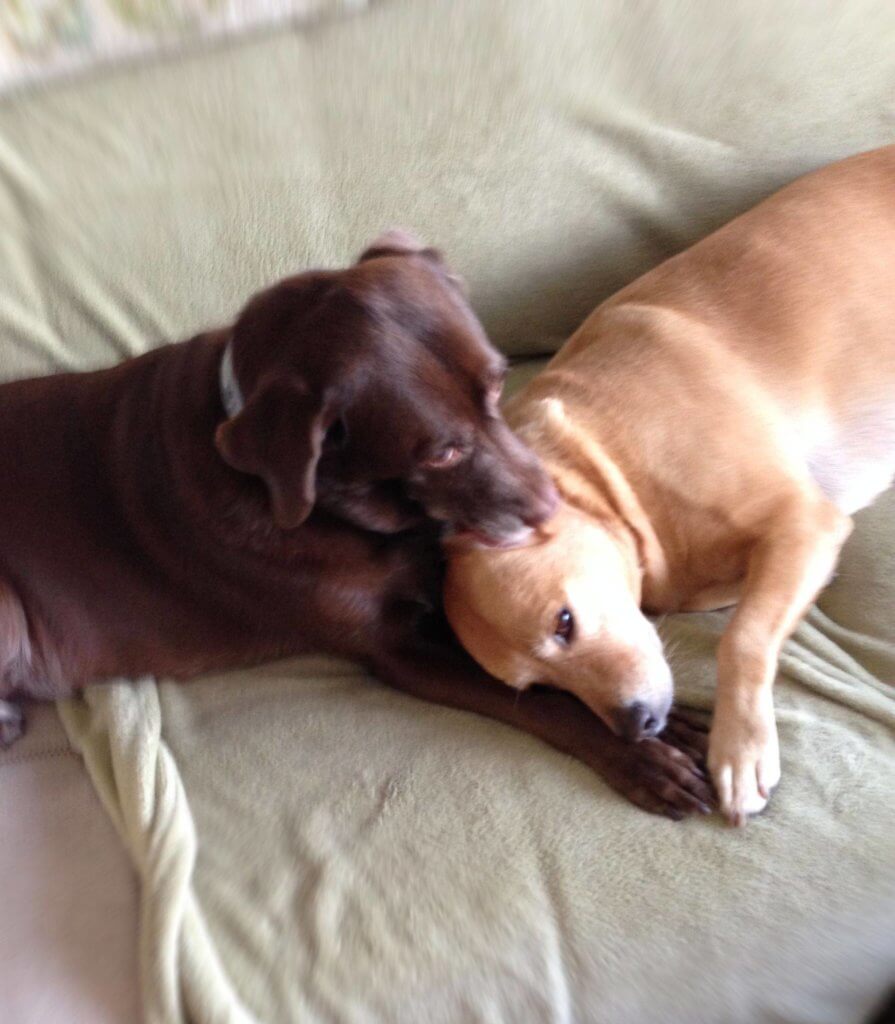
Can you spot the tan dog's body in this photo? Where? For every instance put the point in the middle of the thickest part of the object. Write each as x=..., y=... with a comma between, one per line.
x=711, y=428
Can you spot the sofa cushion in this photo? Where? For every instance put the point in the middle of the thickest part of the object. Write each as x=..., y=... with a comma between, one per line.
x=555, y=150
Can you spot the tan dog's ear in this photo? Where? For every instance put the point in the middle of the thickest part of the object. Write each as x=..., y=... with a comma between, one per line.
x=278, y=436
x=481, y=640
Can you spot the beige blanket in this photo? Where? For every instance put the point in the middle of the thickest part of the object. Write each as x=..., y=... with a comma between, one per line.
x=313, y=846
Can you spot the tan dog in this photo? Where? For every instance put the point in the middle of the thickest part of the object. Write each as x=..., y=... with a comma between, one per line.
x=710, y=428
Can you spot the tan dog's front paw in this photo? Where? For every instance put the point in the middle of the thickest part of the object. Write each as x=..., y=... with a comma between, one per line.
x=744, y=759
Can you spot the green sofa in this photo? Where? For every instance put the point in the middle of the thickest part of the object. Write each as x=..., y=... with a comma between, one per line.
x=308, y=845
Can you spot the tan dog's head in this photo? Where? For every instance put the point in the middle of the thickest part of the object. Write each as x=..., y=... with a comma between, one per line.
x=564, y=610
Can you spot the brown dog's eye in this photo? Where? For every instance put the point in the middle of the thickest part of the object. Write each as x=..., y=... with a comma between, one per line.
x=565, y=626
x=444, y=459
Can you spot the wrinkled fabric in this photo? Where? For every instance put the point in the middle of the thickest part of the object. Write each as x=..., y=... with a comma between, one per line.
x=311, y=845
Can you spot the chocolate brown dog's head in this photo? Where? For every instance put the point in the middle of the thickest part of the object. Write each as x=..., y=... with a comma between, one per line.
x=373, y=391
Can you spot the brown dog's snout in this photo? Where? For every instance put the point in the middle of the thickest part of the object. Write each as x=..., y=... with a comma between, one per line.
x=543, y=500
x=638, y=720
x=536, y=496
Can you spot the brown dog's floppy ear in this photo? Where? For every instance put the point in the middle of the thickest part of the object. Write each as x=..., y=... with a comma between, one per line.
x=394, y=241
x=278, y=436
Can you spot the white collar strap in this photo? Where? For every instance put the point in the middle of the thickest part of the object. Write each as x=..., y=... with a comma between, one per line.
x=231, y=393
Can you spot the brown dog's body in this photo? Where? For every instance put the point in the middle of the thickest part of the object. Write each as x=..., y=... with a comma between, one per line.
x=147, y=528
x=130, y=546
x=711, y=429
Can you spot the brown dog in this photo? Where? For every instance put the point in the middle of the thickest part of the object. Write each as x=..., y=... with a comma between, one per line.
x=265, y=490
x=711, y=428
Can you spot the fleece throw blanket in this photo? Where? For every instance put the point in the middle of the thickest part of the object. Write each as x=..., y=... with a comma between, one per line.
x=312, y=846
x=363, y=857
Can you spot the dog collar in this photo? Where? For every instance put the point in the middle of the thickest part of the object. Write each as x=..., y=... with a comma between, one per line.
x=231, y=393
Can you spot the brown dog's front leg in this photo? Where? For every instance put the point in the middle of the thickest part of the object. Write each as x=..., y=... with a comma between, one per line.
x=653, y=774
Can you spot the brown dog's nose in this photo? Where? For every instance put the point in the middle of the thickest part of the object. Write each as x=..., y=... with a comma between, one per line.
x=637, y=721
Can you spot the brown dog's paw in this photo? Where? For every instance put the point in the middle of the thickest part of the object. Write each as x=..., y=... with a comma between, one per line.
x=661, y=778
x=12, y=723
x=688, y=731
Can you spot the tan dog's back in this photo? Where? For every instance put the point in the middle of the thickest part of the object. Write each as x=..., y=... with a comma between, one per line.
x=794, y=270
x=789, y=309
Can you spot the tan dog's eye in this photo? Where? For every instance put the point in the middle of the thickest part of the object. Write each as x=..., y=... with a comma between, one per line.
x=564, y=629
x=445, y=458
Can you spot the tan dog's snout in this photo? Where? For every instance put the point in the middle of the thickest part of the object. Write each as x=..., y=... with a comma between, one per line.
x=629, y=685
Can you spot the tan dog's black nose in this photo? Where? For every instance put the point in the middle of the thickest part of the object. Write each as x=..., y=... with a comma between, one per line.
x=637, y=720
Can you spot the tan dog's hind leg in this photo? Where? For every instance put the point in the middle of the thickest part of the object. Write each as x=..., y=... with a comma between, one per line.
x=786, y=570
